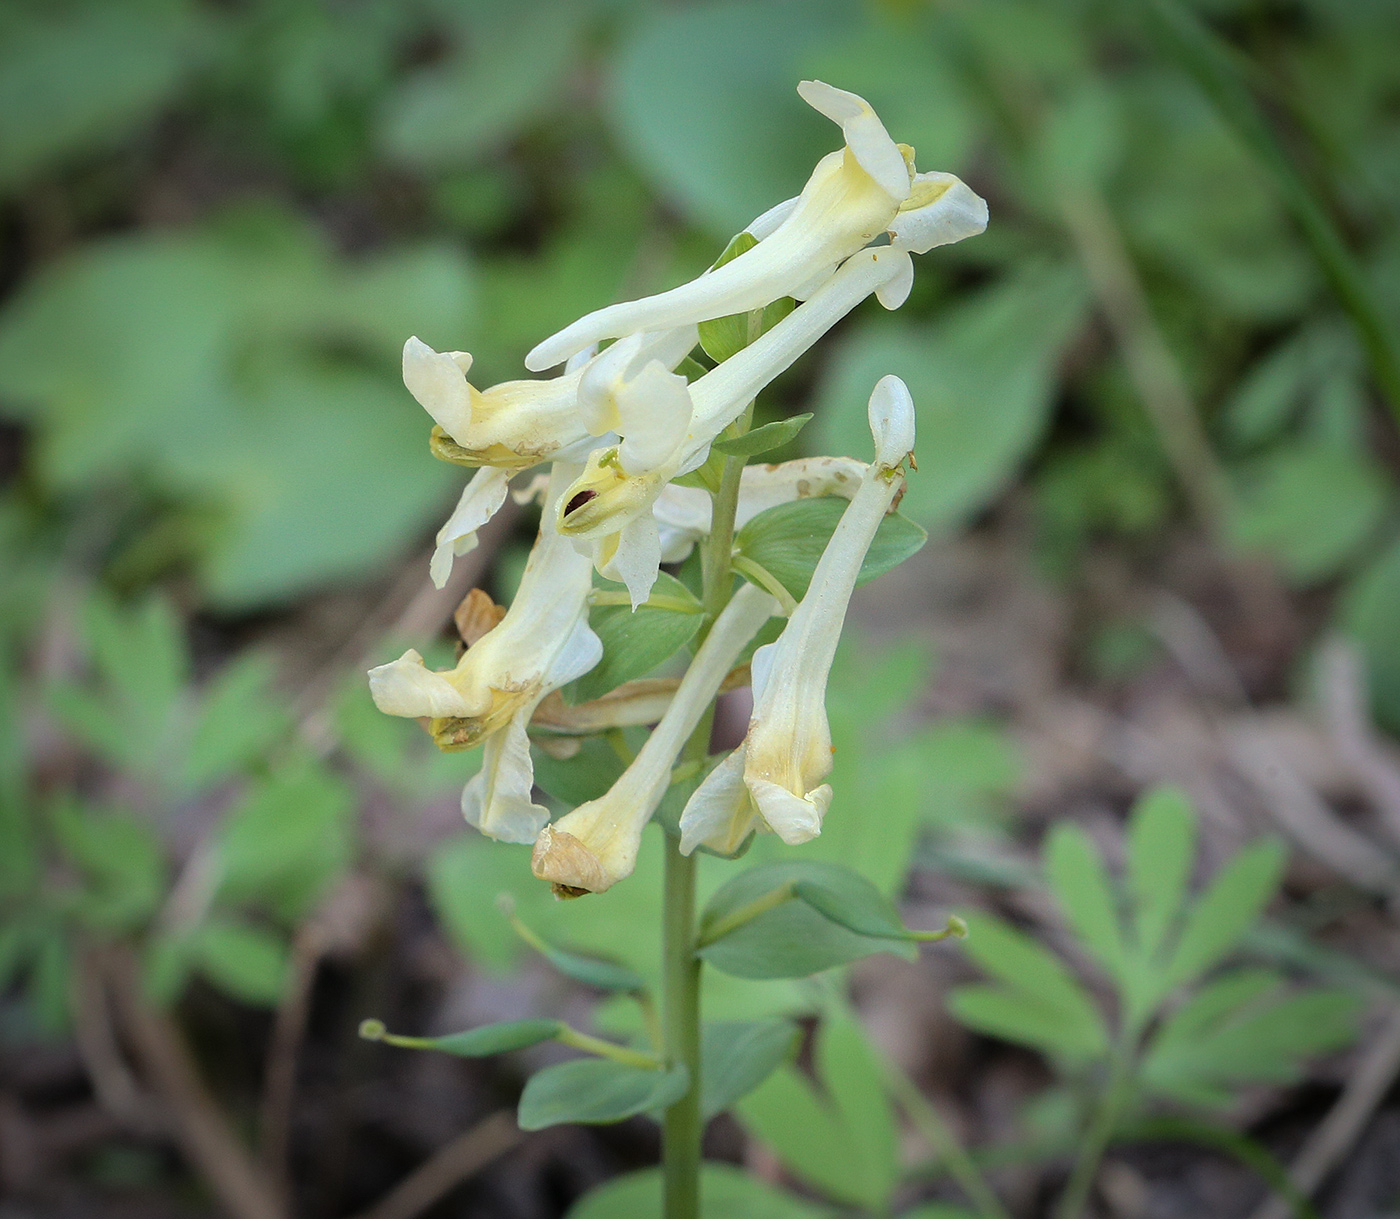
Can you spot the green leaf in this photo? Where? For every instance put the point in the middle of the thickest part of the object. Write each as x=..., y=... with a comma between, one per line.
x=1237, y=1030
x=81, y=77
x=787, y=540
x=738, y=1055
x=238, y=720
x=1227, y=910
x=288, y=839
x=686, y=85
x=1041, y=1005
x=793, y=938
x=853, y=1078
x=983, y=378
x=244, y=369
x=474, y=1043
x=123, y=860
x=762, y=439
x=456, y=111
x=595, y=1091
x=583, y=777
x=726, y=1192
x=1161, y=849
x=590, y=970
x=636, y=641
x=841, y=1139
x=1310, y=506
x=1076, y=873
x=247, y=962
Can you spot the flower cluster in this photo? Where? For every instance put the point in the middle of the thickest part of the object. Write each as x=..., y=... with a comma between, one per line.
x=617, y=428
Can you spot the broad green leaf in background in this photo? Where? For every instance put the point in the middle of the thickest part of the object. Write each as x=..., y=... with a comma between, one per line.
x=459, y=109
x=738, y=1055
x=726, y=1192
x=983, y=378
x=703, y=98
x=1309, y=506
x=81, y=77
x=242, y=368
x=1369, y=610
x=596, y=1091
x=636, y=641
x=788, y=540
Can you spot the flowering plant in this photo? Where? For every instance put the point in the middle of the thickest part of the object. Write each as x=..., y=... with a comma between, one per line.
x=646, y=450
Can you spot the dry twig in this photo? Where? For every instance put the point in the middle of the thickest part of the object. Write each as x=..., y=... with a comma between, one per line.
x=197, y=1122
x=1330, y=1142
x=447, y=1168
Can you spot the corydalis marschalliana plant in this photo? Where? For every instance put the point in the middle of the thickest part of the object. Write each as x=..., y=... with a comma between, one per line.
x=645, y=464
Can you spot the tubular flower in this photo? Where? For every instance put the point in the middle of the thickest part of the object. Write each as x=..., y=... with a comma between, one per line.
x=683, y=513
x=774, y=779
x=542, y=643
x=518, y=424
x=867, y=188
x=610, y=504
x=593, y=847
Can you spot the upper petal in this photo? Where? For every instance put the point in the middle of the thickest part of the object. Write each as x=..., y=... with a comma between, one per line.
x=866, y=136
x=439, y=382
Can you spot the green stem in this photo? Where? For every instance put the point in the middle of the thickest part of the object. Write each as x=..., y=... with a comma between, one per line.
x=680, y=1024
x=683, y=1125
x=606, y=1049
x=1096, y=1139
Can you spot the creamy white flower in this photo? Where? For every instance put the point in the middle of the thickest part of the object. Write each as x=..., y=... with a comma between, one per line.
x=518, y=424
x=774, y=779
x=595, y=846
x=853, y=195
x=606, y=502
x=683, y=513
x=542, y=643
x=481, y=499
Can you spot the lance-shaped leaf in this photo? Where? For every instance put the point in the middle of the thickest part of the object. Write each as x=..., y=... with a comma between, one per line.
x=762, y=439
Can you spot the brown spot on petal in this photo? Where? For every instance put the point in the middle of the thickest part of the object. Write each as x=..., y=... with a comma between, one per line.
x=579, y=500
x=567, y=864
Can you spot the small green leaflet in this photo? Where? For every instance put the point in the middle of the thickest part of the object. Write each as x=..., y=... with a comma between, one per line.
x=788, y=540
x=762, y=439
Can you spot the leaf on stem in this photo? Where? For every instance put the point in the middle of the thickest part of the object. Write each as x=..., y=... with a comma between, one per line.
x=596, y=1091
